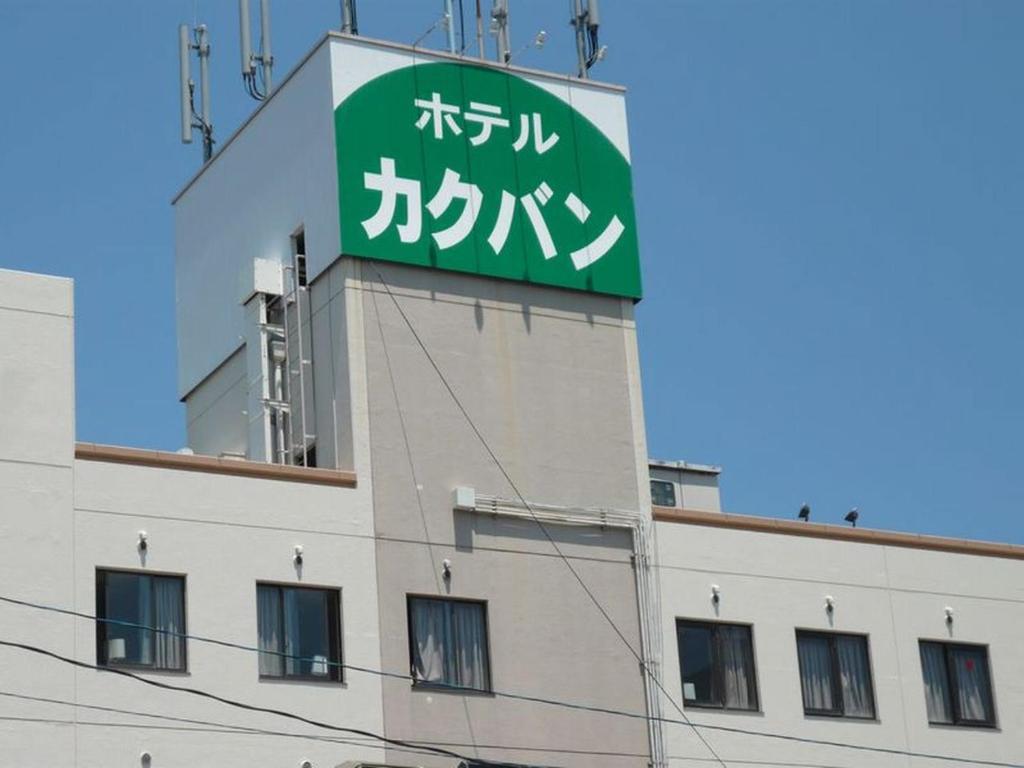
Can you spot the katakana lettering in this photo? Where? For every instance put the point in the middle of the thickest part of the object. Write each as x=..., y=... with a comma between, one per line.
x=438, y=114
x=488, y=117
x=542, y=194
x=503, y=225
x=452, y=188
x=391, y=186
x=588, y=254
x=540, y=143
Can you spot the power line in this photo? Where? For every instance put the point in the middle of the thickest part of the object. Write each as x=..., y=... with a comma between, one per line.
x=502, y=694
x=696, y=728
x=231, y=702
x=543, y=528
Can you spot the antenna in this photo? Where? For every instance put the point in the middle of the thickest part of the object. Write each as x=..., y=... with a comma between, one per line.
x=199, y=41
x=449, y=16
x=587, y=19
x=480, y=31
x=499, y=28
x=538, y=42
x=184, y=66
x=249, y=59
x=349, y=23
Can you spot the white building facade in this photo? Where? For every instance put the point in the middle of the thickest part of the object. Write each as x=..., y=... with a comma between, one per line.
x=415, y=516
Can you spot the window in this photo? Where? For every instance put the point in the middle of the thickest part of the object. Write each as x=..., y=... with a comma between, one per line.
x=663, y=493
x=717, y=662
x=299, y=632
x=835, y=674
x=145, y=620
x=957, y=684
x=448, y=643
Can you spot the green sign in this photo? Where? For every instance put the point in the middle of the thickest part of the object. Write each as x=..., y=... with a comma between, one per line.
x=473, y=169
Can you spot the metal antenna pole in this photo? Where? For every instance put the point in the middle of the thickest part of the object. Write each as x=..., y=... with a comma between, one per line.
x=266, y=56
x=579, y=21
x=203, y=47
x=449, y=16
x=245, y=37
x=480, y=32
x=499, y=15
x=347, y=23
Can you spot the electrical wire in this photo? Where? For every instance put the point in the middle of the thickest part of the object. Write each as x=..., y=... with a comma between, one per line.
x=696, y=728
x=199, y=692
x=543, y=528
x=503, y=694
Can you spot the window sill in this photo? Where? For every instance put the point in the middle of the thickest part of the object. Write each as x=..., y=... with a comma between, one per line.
x=442, y=688
x=724, y=710
x=843, y=718
x=137, y=669
x=966, y=726
x=302, y=679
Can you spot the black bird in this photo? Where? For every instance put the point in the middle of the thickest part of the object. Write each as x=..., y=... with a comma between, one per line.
x=851, y=517
x=805, y=512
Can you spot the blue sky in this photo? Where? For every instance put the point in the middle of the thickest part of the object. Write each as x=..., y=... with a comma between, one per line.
x=831, y=208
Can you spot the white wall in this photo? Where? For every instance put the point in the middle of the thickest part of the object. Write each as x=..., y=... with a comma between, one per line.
x=895, y=595
x=277, y=174
x=36, y=554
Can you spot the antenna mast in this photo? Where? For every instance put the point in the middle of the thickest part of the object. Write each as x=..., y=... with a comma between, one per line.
x=499, y=27
x=349, y=22
x=249, y=59
x=199, y=41
x=587, y=19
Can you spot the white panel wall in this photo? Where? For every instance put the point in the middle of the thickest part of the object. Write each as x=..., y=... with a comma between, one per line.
x=276, y=174
x=894, y=595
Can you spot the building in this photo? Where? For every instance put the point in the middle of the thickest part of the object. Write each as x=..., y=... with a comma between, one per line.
x=416, y=503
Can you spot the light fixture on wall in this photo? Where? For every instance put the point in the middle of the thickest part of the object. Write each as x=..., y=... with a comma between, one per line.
x=143, y=541
x=830, y=604
x=716, y=594
x=146, y=759
x=446, y=569
x=305, y=764
x=298, y=555
x=949, y=615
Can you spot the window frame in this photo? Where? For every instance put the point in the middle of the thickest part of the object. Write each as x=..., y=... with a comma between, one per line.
x=675, y=496
x=432, y=686
x=953, y=682
x=717, y=668
x=335, y=627
x=836, y=679
x=102, y=661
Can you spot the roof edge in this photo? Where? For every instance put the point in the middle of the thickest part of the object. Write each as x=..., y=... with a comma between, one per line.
x=838, y=533
x=140, y=457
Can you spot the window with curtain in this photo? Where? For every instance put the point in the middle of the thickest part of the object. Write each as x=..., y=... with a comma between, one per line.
x=299, y=631
x=835, y=674
x=448, y=643
x=717, y=663
x=957, y=684
x=141, y=620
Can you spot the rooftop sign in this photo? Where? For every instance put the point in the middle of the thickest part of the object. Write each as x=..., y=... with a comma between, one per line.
x=476, y=169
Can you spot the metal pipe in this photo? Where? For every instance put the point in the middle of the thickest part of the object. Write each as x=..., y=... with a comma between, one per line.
x=579, y=21
x=480, y=32
x=184, y=60
x=265, y=54
x=203, y=44
x=449, y=16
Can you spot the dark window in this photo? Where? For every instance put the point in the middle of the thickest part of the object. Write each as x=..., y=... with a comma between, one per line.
x=448, y=643
x=957, y=684
x=299, y=632
x=663, y=493
x=141, y=620
x=717, y=662
x=835, y=674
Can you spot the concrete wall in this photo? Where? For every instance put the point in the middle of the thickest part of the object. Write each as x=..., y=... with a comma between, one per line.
x=37, y=411
x=548, y=378
x=895, y=595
